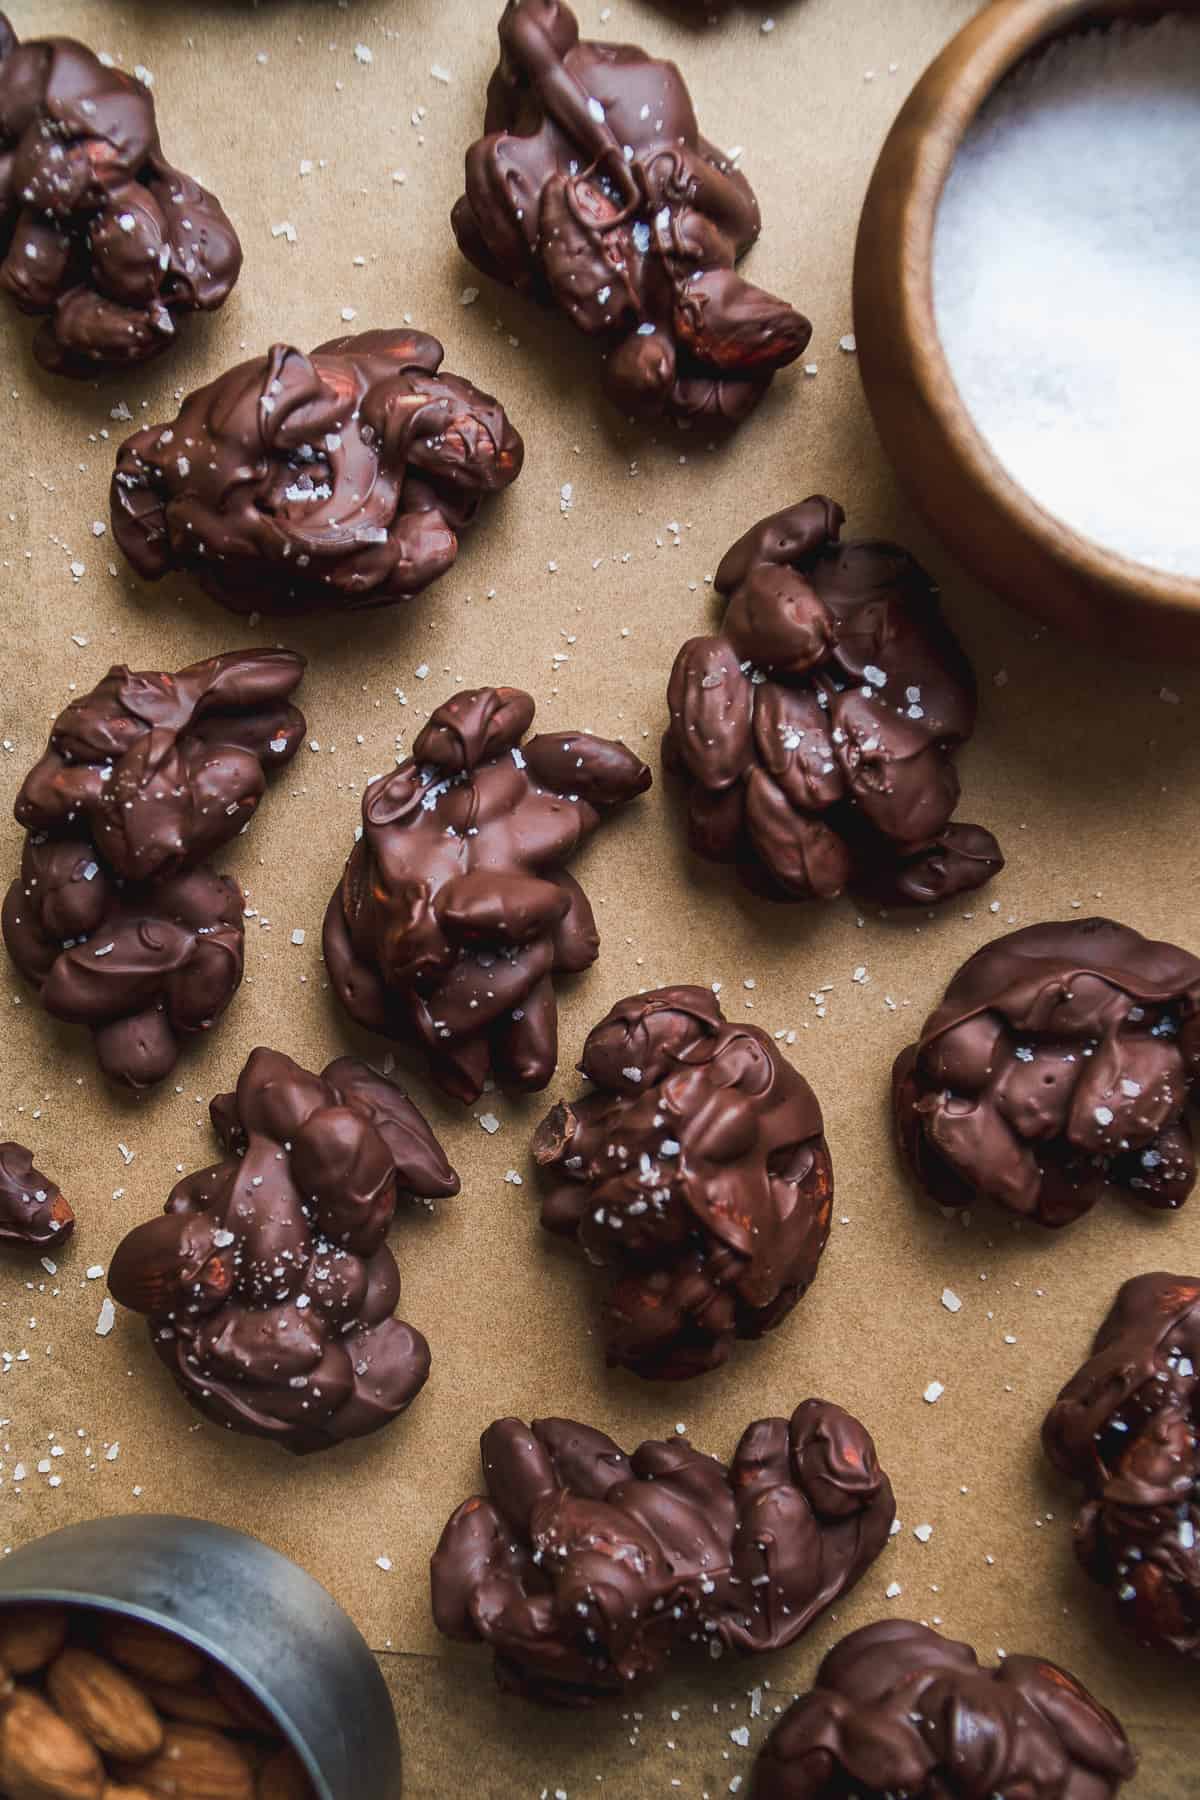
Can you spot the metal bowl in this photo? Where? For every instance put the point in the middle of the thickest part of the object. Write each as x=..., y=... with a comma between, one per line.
x=248, y=1608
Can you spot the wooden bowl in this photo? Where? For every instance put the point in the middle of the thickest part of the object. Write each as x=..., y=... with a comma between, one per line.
x=987, y=519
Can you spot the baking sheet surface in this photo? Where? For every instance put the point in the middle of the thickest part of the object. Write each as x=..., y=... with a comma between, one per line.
x=1088, y=772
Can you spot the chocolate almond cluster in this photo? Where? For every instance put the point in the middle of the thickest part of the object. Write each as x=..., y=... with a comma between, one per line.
x=897, y=1710
x=697, y=1172
x=115, y=917
x=586, y=1569
x=339, y=480
x=592, y=190
x=815, y=731
x=456, y=911
x=268, y=1283
x=32, y=1208
x=103, y=238
x=1058, y=1069
x=1127, y=1428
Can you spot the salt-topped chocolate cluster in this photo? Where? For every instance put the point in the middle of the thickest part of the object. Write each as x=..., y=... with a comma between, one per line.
x=1127, y=1427
x=32, y=1208
x=103, y=237
x=339, y=480
x=268, y=1283
x=815, y=731
x=696, y=1172
x=456, y=911
x=592, y=190
x=586, y=1569
x=1059, y=1068
x=897, y=1710
x=115, y=917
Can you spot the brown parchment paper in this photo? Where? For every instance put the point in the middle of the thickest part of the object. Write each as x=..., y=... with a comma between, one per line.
x=1088, y=771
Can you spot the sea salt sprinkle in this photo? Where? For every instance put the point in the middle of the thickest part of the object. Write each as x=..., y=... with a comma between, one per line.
x=1066, y=275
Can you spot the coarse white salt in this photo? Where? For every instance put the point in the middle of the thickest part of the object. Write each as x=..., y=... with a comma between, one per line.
x=1066, y=270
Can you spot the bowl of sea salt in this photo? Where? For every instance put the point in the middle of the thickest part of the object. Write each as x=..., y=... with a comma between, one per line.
x=1027, y=310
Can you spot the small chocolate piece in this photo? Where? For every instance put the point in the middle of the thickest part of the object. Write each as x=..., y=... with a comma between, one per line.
x=815, y=731
x=102, y=235
x=897, y=1709
x=114, y=918
x=32, y=1209
x=1058, y=1069
x=697, y=1172
x=1127, y=1427
x=455, y=910
x=593, y=190
x=338, y=480
x=268, y=1284
x=586, y=1569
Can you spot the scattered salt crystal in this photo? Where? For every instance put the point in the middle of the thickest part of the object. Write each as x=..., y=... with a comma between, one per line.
x=363, y=53
x=490, y=1123
x=384, y=1563
x=107, y=1319
x=127, y=1155
x=893, y=1590
x=933, y=1392
x=440, y=74
x=95, y=1272
x=922, y=1533
x=112, y=1453
x=298, y=936
x=849, y=343
x=951, y=1301
x=740, y=1735
x=469, y=296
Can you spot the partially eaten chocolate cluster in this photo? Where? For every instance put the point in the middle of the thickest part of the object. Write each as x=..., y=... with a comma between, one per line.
x=816, y=730
x=1058, y=1069
x=338, y=480
x=32, y=1208
x=268, y=1283
x=101, y=236
x=1127, y=1427
x=897, y=1710
x=593, y=190
x=115, y=917
x=697, y=1172
x=586, y=1569
x=455, y=910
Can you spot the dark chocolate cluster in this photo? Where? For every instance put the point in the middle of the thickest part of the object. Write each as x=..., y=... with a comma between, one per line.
x=816, y=730
x=338, y=480
x=696, y=1172
x=455, y=910
x=115, y=918
x=1127, y=1427
x=268, y=1283
x=585, y=1569
x=898, y=1710
x=1058, y=1069
x=100, y=235
x=32, y=1209
x=592, y=190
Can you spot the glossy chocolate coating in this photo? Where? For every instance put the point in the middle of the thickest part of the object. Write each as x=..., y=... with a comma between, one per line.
x=696, y=1172
x=32, y=1209
x=1127, y=1427
x=268, y=1283
x=815, y=731
x=585, y=1569
x=333, y=481
x=592, y=190
x=114, y=917
x=455, y=910
x=101, y=235
x=1058, y=1069
x=898, y=1710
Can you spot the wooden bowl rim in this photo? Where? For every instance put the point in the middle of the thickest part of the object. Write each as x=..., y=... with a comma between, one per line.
x=968, y=71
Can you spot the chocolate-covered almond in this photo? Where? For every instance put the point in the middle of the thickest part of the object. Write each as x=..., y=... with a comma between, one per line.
x=105, y=240
x=815, y=731
x=1059, y=1068
x=337, y=480
x=593, y=190
x=268, y=1284
x=32, y=1208
x=456, y=911
x=586, y=1569
x=696, y=1171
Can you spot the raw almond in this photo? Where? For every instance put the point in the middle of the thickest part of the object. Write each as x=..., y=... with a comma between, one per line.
x=43, y=1757
x=195, y=1705
x=116, y=1790
x=195, y=1764
x=283, y=1779
x=105, y=1705
x=152, y=1654
x=244, y=1707
x=31, y=1636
